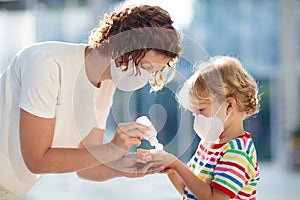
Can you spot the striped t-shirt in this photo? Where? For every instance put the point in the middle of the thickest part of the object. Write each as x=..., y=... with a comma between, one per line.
x=229, y=167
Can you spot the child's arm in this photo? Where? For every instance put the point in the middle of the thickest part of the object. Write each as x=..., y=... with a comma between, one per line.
x=176, y=181
x=182, y=177
x=200, y=189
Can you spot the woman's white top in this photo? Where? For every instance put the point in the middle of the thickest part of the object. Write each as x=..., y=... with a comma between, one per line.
x=47, y=80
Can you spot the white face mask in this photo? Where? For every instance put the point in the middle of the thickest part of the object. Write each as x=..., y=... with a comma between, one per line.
x=209, y=128
x=127, y=80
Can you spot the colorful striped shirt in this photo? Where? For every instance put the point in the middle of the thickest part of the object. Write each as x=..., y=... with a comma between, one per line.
x=229, y=167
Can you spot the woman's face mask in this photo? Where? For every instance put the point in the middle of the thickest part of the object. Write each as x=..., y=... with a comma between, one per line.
x=209, y=128
x=127, y=80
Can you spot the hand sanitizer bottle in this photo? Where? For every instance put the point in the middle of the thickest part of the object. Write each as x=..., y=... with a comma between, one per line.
x=151, y=135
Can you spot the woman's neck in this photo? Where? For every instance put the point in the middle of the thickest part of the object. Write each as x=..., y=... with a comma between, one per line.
x=97, y=66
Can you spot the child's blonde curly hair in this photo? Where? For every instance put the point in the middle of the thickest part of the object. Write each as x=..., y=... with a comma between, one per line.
x=216, y=79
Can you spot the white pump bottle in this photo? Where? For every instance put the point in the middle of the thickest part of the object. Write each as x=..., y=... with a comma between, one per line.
x=151, y=135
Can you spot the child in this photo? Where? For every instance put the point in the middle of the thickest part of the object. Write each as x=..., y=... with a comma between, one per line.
x=221, y=94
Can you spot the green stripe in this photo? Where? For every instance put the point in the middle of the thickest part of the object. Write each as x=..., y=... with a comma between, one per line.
x=206, y=172
x=193, y=166
x=242, y=154
x=231, y=144
x=254, y=184
x=226, y=184
x=252, y=151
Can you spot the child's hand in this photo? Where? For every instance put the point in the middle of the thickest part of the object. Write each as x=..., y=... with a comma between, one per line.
x=163, y=158
x=166, y=171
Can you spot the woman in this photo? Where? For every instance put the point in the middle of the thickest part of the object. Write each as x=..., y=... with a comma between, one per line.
x=48, y=105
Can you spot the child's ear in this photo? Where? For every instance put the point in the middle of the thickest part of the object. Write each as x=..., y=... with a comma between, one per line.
x=231, y=104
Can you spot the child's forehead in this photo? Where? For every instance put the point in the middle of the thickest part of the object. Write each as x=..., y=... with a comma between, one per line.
x=195, y=105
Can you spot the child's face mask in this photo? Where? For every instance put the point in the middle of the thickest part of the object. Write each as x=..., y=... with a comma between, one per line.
x=209, y=128
x=127, y=80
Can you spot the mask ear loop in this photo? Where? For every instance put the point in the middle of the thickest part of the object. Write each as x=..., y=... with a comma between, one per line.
x=227, y=116
x=217, y=112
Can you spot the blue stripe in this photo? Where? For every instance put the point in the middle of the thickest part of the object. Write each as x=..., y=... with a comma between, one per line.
x=230, y=178
x=249, y=147
x=207, y=165
x=195, y=159
x=190, y=196
x=238, y=142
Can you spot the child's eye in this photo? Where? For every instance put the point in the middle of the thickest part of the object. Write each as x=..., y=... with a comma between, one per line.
x=198, y=111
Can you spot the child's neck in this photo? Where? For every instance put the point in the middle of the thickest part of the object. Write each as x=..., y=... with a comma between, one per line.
x=233, y=129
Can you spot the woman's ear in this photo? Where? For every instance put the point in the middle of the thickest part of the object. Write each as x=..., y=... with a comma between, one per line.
x=231, y=105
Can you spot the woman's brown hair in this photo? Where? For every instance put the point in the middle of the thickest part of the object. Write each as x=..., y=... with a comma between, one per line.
x=134, y=31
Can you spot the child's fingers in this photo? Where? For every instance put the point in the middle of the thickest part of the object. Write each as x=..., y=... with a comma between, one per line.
x=166, y=171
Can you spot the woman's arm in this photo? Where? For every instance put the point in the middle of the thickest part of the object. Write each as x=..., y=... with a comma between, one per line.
x=131, y=165
x=36, y=135
x=100, y=172
x=95, y=137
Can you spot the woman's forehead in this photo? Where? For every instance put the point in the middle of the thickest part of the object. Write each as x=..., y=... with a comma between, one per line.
x=156, y=58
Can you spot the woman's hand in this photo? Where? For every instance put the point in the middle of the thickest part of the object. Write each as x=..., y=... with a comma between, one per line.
x=136, y=165
x=128, y=134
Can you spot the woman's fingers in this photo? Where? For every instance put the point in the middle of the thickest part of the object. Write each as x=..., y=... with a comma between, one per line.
x=138, y=165
x=128, y=134
x=144, y=159
x=149, y=169
x=154, y=170
x=138, y=158
x=143, y=170
x=133, y=129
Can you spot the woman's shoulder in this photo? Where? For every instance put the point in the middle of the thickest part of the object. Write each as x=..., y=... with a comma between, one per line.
x=52, y=50
x=48, y=46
